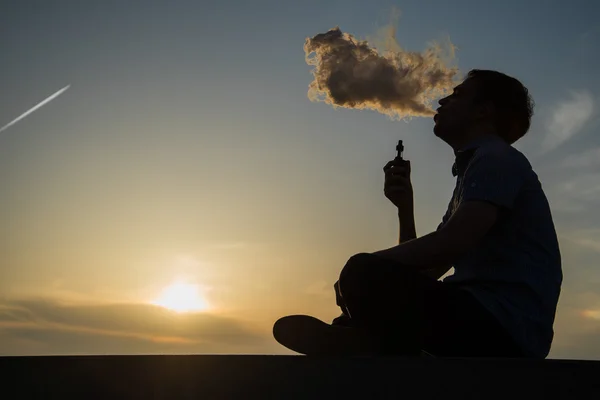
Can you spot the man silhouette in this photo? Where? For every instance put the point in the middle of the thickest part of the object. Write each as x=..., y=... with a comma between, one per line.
x=497, y=233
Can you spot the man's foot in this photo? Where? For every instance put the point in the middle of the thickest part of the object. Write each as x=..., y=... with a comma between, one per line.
x=311, y=336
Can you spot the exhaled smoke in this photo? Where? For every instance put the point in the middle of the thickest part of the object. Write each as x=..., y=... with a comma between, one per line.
x=350, y=73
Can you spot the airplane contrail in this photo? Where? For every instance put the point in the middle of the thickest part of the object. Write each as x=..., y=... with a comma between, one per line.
x=34, y=108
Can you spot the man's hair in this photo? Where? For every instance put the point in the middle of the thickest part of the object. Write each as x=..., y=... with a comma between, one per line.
x=510, y=99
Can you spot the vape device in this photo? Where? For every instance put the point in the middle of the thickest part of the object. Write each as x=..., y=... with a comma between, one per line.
x=399, y=150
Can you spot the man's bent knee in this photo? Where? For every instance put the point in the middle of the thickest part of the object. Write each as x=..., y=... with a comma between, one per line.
x=356, y=267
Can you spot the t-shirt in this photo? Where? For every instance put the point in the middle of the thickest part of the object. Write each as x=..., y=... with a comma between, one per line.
x=515, y=271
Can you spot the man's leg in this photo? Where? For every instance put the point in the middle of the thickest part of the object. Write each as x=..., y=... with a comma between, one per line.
x=385, y=299
x=409, y=311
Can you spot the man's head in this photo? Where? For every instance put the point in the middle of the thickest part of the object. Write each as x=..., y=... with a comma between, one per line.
x=485, y=102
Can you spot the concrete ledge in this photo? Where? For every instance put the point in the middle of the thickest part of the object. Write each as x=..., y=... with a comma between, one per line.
x=294, y=377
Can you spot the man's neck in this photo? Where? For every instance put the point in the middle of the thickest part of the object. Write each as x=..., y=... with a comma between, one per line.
x=472, y=136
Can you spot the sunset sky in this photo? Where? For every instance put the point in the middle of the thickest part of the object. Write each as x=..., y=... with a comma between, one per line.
x=186, y=152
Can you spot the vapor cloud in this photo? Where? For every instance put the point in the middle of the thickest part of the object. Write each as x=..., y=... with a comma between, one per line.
x=353, y=74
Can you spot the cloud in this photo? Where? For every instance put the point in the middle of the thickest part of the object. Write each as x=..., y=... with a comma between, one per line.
x=561, y=205
x=229, y=246
x=585, y=238
x=578, y=337
x=577, y=326
x=585, y=46
x=320, y=289
x=573, y=189
x=585, y=187
x=41, y=326
x=591, y=314
x=586, y=159
x=568, y=118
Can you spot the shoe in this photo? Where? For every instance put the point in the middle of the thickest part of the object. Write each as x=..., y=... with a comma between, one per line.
x=310, y=336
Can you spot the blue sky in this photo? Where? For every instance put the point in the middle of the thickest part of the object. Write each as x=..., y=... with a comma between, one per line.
x=186, y=148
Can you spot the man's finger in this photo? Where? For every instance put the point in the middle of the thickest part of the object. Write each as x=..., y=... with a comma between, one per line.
x=389, y=165
x=399, y=178
x=395, y=191
x=396, y=171
x=396, y=183
x=394, y=164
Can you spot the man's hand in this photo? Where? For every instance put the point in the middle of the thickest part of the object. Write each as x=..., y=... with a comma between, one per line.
x=397, y=186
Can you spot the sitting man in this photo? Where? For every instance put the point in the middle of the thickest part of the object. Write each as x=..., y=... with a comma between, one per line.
x=497, y=233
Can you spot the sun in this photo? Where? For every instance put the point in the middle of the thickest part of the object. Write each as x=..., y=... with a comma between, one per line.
x=181, y=297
